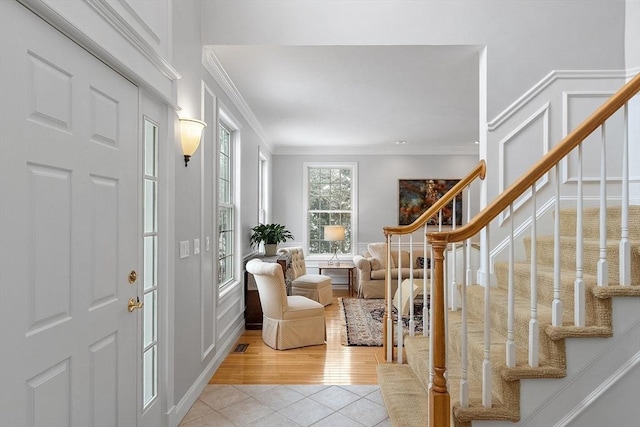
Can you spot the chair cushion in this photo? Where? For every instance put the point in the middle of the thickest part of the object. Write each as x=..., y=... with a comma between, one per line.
x=302, y=307
x=312, y=281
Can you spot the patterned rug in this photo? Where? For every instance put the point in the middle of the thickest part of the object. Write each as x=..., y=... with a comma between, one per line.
x=362, y=321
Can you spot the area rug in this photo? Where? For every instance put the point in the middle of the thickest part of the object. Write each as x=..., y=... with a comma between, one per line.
x=362, y=321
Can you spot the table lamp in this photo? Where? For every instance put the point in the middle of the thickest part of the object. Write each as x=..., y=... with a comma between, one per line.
x=334, y=233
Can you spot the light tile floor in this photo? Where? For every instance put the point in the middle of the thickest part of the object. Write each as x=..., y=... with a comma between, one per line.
x=223, y=405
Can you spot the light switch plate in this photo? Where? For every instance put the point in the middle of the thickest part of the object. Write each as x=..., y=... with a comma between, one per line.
x=206, y=243
x=184, y=249
x=196, y=246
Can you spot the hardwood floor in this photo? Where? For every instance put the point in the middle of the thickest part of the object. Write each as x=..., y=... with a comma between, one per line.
x=332, y=363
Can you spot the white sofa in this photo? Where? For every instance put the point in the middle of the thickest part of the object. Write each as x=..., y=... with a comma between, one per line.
x=371, y=270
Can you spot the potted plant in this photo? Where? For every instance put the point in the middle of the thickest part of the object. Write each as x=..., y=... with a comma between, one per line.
x=270, y=235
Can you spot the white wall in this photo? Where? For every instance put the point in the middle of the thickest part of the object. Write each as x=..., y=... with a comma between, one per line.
x=526, y=39
x=207, y=323
x=378, y=177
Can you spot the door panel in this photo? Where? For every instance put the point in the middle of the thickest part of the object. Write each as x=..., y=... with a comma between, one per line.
x=69, y=231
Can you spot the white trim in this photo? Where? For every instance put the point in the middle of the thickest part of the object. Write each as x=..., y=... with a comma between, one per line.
x=179, y=411
x=544, y=112
x=600, y=390
x=140, y=21
x=584, y=370
x=547, y=81
x=469, y=149
x=217, y=71
x=566, y=96
x=62, y=24
x=305, y=204
x=205, y=281
x=518, y=231
x=128, y=33
x=631, y=72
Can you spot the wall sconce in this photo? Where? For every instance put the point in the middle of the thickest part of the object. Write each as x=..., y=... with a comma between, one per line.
x=334, y=233
x=190, y=134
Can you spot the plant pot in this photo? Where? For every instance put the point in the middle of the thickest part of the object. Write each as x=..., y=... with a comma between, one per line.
x=270, y=249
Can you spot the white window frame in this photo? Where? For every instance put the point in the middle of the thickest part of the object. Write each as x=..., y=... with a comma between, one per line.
x=263, y=188
x=305, y=205
x=227, y=120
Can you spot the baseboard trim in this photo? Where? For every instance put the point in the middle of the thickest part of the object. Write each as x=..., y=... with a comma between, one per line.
x=182, y=407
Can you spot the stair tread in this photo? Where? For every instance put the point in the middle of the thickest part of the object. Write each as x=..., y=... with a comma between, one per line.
x=407, y=402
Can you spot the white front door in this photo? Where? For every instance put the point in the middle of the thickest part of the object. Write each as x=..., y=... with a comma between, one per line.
x=69, y=229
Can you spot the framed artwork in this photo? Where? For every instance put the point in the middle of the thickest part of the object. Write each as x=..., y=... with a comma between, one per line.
x=415, y=196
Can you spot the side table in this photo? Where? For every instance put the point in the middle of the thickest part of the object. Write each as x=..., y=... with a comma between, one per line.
x=343, y=265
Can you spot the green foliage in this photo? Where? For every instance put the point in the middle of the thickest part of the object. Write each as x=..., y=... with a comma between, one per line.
x=269, y=234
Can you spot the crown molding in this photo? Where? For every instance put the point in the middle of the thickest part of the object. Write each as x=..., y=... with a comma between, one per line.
x=217, y=71
x=546, y=82
x=118, y=23
x=466, y=149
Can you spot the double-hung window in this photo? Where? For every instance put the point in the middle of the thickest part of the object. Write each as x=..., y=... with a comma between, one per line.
x=330, y=199
x=226, y=211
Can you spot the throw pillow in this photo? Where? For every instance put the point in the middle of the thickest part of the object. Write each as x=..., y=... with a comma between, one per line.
x=420, y=262
x=379, y=252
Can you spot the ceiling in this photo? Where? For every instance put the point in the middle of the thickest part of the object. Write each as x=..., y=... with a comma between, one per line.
x=355, y=99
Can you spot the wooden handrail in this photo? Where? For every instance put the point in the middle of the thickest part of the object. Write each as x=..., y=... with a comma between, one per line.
x=478, y=172
x=545, y=164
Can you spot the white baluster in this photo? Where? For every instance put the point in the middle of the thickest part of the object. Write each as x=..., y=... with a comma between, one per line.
x=603, y=267
x=556, y=308
x=578, y=286
x=431, y=373
x=464, y=384
x=389, y=336
x=486, y=362
x=468, y=277
x=453, y=291
x=625, y=247
x=425, y=285
x=412, y=323
x=400, y=330
x=511, y=346
x=534, y=328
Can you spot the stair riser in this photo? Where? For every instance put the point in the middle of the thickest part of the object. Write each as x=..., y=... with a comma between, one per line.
x=521, y=323
x=545, y=292
x=499, y=388
x=591, y=257
x=418, y=359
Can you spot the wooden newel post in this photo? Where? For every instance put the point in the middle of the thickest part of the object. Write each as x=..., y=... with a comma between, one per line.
x=439, y=402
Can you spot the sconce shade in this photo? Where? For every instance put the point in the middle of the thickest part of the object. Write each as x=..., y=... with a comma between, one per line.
x=334, y=233
x=190, y=134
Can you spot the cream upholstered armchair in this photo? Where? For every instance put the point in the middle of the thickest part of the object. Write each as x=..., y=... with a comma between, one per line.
x=314, y=286
x=288, y=321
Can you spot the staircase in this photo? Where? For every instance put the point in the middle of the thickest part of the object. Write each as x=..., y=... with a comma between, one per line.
x=405, y=386
x=547, y=315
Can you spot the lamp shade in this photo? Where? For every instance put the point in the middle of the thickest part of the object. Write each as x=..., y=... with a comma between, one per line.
x=190, y=134
x=334, y=233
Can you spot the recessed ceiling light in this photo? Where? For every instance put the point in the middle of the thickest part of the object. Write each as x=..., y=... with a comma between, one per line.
x=476, y=142
x=401, y=142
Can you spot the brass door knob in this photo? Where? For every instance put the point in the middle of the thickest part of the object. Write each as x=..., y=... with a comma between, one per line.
x=133, y=276
x=134, y=304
